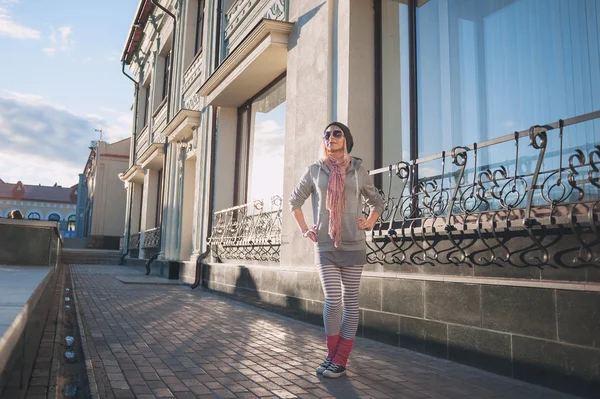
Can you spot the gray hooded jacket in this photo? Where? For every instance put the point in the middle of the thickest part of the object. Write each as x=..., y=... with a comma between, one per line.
x=314, y=181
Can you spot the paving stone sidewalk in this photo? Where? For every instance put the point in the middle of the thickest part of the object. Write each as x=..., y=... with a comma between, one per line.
x=165, y=341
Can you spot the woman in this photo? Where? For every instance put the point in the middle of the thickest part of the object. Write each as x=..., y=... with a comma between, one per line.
x=336, y=182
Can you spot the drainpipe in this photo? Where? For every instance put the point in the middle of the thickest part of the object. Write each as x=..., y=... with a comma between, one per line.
x=211, y=202
x=137, y=91
x=166, y=145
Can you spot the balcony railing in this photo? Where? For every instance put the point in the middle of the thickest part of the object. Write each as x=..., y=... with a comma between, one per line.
x=141, y=142
x=466, y=211
x=248, y=232
x=159, y=121
x=134, y=244
x=243, y=15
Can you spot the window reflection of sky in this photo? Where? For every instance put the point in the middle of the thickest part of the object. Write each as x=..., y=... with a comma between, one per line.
x=487, y=68
x=267, y=166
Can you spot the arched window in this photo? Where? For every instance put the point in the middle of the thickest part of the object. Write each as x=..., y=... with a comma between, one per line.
x=54, y=217
x=34, y=216
x=71, y=223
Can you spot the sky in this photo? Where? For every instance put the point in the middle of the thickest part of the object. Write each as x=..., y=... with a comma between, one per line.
x=60, y=81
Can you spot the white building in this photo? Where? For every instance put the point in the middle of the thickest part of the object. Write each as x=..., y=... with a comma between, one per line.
x=231, y=98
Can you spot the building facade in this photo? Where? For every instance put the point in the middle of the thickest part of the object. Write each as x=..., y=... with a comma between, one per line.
x=102, y=201
x=53, y=203
x=480, y=127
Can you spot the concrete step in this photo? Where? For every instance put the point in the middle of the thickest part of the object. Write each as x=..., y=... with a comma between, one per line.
x=90, y=256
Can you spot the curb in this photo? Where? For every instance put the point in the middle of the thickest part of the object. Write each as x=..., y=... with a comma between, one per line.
x=89, y=368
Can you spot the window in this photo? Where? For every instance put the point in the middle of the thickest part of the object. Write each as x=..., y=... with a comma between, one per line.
x=146, y=104
x=484, y=71
x=167, y=72
x=71, y=222
x=54, y=217
x=199, y=27
x=261, y=145
x=34, y=216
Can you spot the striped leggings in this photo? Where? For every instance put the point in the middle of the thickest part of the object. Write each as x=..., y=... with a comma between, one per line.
x=340, y=286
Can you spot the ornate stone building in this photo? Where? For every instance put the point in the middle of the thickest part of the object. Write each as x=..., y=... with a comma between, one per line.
x=54, y=203
x=479, y=120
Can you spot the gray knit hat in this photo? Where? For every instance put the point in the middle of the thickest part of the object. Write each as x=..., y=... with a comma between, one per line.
x=347, y=134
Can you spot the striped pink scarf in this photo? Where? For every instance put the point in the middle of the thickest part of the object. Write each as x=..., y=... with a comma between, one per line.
x=336, y=195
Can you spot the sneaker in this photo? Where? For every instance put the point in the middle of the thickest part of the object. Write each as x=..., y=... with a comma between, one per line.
x=334, y=371
x=323, y=366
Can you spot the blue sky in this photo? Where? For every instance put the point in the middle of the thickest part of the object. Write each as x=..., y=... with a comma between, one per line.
x=60, y=78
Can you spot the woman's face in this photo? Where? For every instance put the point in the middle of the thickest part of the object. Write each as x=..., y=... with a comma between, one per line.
x=334, y=139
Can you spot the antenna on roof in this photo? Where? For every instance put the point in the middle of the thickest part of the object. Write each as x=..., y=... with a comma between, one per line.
x=100, y=131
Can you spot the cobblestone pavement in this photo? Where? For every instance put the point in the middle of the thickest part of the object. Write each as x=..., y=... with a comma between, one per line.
x=164, y=341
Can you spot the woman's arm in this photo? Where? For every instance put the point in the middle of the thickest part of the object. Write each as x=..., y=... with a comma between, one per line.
x=300, y=194
x=306, y=232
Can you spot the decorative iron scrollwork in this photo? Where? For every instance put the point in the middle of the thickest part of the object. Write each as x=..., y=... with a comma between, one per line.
x=248, y=232
x=484, y=210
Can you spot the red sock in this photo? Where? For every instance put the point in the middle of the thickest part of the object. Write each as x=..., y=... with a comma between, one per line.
x=332, y=344
x=343, y=351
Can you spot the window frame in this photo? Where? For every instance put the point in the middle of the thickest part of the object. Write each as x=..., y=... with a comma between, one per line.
x=166, y=74
x=39, y=217
x=199, y=34
x=243, y=141
x=146, y=106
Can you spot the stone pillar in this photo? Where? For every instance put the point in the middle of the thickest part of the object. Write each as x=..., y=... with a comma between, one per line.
x=391, y=67
x=202, y=184
x=128, y=204
x=334, y=81
x=136, y=204
x=226, y=155
x=150, y=198
x=356, y=75
x=148, y=220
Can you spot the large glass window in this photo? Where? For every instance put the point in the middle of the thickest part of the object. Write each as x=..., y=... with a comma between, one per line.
x=261, y=141
x=487, y=68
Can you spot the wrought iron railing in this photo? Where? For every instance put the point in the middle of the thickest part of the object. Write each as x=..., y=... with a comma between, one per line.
x=248, y=232
x=134, y=245
x=466, y=212
x=151, y=238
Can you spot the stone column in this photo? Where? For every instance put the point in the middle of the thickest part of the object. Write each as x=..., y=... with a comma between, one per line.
x=202, y=184
x=136, y=207
x=149, y=204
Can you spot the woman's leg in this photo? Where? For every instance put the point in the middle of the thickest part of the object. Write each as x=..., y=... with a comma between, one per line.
x=332, y=288
x=331, y=281
x=350, y=283
x=350, y=276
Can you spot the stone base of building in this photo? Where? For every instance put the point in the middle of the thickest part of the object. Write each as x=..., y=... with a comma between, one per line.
x=529, y=330
x=103, y=242
x=159, y=268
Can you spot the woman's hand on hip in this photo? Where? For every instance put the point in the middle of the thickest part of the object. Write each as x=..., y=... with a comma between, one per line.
x=311, y=234
x=365, y=224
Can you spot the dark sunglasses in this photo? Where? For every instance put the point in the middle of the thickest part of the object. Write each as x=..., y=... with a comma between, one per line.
x=336, y=133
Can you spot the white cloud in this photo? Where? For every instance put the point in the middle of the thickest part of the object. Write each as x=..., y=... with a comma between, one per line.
x=61, y=43
x=10, y=28
x=45, y=143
